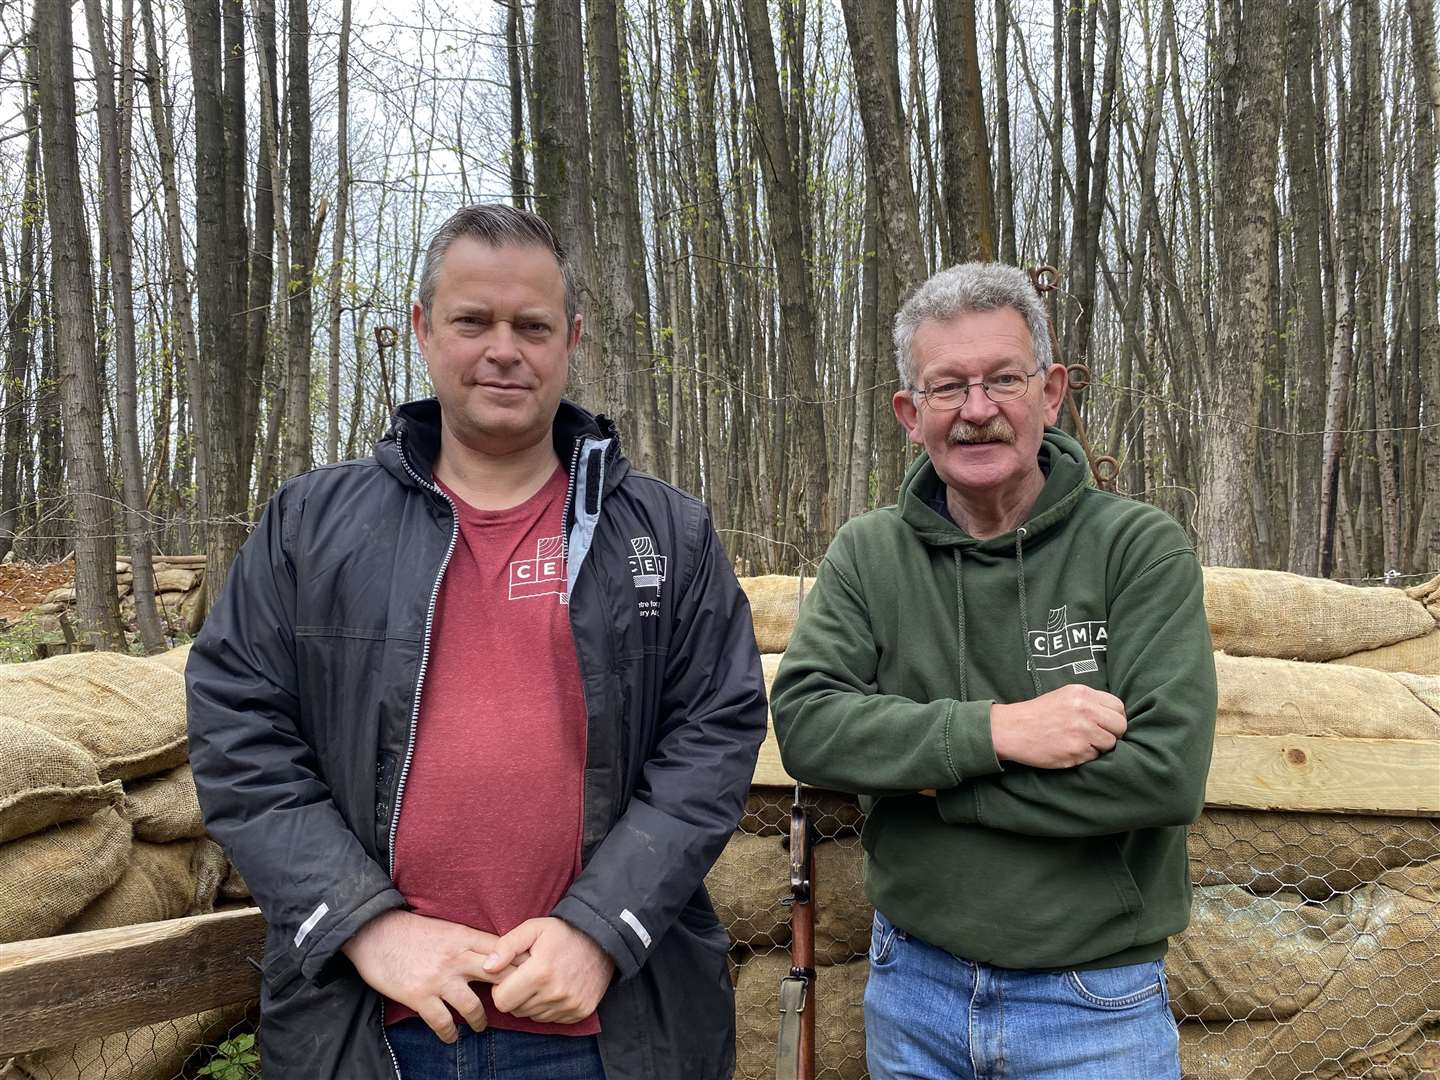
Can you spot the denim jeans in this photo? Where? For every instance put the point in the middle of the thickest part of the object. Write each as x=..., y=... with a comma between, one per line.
x=493, y=1054
x=930, y=1015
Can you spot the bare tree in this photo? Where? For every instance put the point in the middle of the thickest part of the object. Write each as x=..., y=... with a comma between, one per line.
x=97, y=605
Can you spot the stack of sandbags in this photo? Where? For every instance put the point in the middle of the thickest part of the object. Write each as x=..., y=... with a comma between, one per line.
x=750, y=887
x=1288, y=617
x=100, y=827
x=179, y=591
x=1251, y=613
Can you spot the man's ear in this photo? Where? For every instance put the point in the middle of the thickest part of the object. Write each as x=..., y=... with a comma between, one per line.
x=908, y=413
x=420, y=324
x=1056, y=381
x=577, y=329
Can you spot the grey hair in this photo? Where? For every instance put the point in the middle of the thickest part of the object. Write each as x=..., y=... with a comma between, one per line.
x=972, y=286
x=496, y=225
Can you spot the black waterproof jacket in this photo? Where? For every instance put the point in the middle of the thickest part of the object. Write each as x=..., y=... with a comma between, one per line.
x=304, y=687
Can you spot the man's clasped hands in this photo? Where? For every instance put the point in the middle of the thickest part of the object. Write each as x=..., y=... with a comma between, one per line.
x=544, y=969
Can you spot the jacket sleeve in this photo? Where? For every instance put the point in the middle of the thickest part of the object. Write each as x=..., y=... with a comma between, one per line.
x=1161, y=666
x=693, y=786
x=255, y=772
x=829, y=717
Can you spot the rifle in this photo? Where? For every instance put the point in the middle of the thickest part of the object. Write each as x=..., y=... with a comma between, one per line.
x=795, y=1053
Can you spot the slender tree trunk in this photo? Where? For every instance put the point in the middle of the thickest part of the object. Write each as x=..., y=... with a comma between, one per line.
x=797, y=312
x=514, y=53
x=298, y=286
x=1422, y=195
x=19, y=330
x=117, y=228
x=337, y=235
x=1309, y=310
x=1004, y=182
x=96, y=602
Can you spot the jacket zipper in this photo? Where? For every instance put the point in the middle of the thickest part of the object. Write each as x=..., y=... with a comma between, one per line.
x=419, y=685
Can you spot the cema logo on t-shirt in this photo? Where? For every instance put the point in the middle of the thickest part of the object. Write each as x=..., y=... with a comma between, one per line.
x=542, y=575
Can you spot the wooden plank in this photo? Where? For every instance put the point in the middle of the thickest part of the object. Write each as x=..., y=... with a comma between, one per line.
x=1285, y=772
x=81, y=985
x=1334, y=776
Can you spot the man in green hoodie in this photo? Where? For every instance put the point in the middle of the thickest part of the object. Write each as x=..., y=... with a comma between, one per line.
x=1013, y=670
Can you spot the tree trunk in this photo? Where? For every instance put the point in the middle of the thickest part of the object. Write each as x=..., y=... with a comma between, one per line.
x=97, y=606
x=19, y=331
x=298, y=286
x=337, y=235
x=519, y=181
x=562, y=173
x=1004, y=183
x=1422, y=195
x=969, y=205
x=875, y=64
x=1247, y=158
x=127, y=432
x=1309, y=310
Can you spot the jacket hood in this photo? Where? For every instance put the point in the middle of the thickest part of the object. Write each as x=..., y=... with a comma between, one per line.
x=1068, y=474
x=409, y=448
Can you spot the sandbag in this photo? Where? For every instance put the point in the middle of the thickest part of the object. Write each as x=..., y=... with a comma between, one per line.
x=748, y=885
x=839, y=1018
x=49, y=877
x=1428, y=594
x=156, y=1052
x=1317, y=855
x=158, y=884
x=1243, y=1050
x=165, y=807
x=1375, y=999
x=45, y=780
x=127, y=712
x=175, y=659
x=232, y=885
x=774, y=605
x=175, y=579
x=842, y=911
x=1269, y=613
x=1261, y=696
x=1247, y=957
x=1418, y=654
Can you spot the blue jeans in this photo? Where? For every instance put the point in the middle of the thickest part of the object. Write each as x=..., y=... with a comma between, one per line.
x=930, y=1015
x=493, y=1054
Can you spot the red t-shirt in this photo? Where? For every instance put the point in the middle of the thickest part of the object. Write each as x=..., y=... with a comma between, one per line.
x=489, y=831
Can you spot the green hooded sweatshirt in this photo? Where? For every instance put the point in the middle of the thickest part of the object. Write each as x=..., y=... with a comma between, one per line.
x=914, y=628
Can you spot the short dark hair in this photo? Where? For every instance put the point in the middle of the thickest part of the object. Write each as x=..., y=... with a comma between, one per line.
x=495, y=224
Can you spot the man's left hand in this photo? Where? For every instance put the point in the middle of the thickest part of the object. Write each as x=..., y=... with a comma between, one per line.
x=560, y=982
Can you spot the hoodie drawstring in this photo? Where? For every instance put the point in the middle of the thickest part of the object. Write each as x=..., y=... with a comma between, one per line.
x=1024, y=617
x=960, y=609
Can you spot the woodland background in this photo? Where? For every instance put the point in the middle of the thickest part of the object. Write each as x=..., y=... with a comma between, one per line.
x=212, y=214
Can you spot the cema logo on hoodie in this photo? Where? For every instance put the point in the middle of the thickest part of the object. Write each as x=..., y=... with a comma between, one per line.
x=1064, y=643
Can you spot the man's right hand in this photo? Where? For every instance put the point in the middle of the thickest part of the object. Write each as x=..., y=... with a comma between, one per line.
x=426, y=964
x=1065, y=727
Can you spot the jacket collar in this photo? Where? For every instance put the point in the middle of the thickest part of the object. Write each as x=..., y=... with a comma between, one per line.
x=409, y=448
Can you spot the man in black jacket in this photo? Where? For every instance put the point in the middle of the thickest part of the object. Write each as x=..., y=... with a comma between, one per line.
x=581, y=739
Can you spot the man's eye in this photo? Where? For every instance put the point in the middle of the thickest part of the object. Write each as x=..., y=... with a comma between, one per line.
x=945, y=389
x=1005, y=378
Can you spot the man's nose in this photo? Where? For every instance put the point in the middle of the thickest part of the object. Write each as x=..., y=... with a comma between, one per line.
x=502, y=345
x=977, y=407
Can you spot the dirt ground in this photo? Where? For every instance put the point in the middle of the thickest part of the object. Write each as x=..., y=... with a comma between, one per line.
x=23, y=585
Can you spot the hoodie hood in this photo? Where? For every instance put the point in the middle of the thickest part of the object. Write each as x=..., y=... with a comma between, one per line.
x=1067, y=475
x=408, y=450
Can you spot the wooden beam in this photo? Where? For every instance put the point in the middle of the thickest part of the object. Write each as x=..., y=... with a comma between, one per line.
x=82, y=985
x=1285, y=772
x=1328, y=775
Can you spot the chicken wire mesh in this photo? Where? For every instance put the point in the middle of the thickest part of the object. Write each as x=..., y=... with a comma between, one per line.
x=1313, y=949
x=213, y=1045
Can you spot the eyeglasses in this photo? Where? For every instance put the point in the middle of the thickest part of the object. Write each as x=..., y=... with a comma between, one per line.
x=1006, y=385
